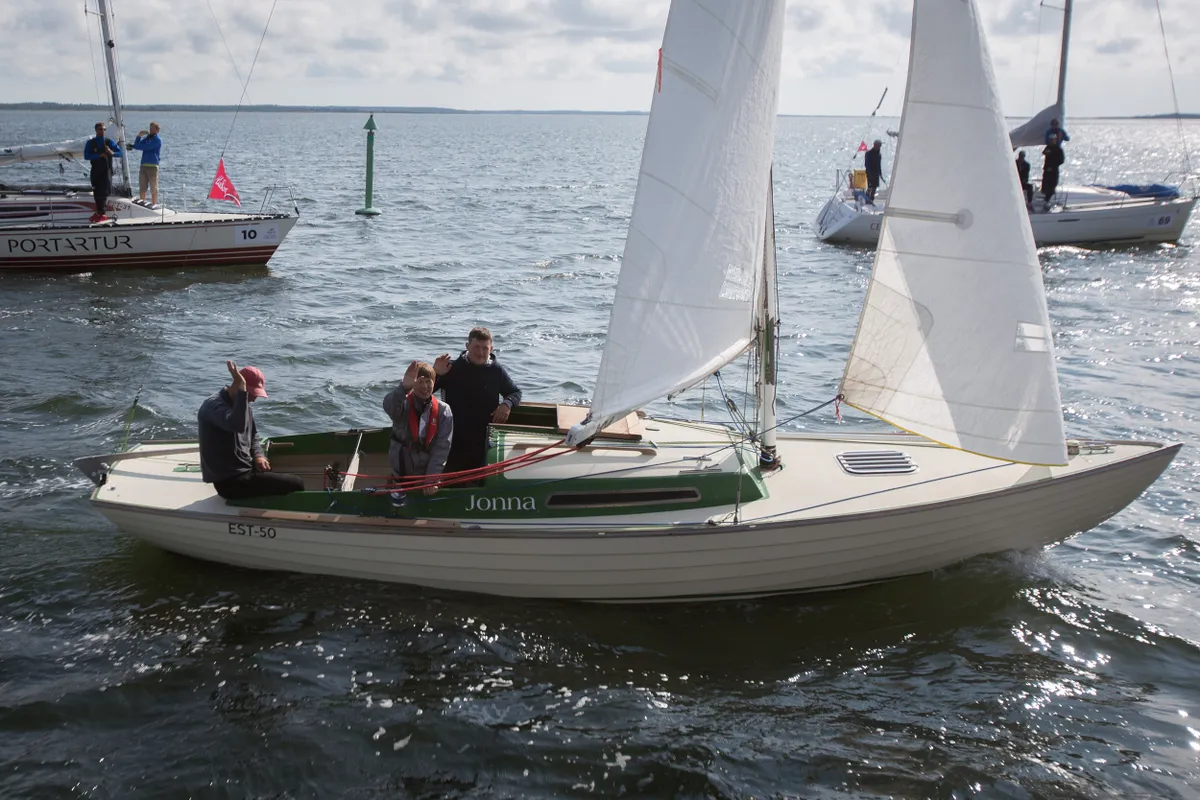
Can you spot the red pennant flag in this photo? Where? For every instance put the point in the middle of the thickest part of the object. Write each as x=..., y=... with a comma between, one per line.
x=861, y=147
x=223, y=188
x=659, y=80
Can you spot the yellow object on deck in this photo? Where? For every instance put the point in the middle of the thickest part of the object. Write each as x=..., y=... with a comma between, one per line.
x=858, y=179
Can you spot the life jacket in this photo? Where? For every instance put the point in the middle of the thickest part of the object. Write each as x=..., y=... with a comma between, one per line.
x=414, y=423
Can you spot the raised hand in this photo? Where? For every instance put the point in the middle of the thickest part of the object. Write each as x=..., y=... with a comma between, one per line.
x=442, y=364
x=410, y=376
x=239, y=380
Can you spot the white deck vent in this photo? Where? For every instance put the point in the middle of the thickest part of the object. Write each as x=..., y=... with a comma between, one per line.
x=876, y=462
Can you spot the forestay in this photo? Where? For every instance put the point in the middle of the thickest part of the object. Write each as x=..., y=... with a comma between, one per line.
x=691, y=274
x=954, y=341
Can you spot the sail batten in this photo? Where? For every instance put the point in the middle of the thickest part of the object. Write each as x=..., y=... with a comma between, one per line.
x=954, y=340
x=690, y=282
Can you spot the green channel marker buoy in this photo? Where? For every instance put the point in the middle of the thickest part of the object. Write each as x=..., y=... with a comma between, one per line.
x=369, y=210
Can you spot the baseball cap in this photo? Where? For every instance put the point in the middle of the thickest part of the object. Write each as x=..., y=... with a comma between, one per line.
x=256, y=384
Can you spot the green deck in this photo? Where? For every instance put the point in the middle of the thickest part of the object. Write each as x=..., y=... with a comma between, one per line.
x=499, y=497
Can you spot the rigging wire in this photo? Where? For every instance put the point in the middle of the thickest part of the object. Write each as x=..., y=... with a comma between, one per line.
x=1037, y=54
x=228, y=52
x=92, y=49
x=1187, y=160
x=870, y=123
x=158, y=340
x=245, y=86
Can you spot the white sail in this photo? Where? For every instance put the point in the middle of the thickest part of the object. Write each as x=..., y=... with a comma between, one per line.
x=42, y=152
x=954, y=341
x=1033, y=132
x=686, y=297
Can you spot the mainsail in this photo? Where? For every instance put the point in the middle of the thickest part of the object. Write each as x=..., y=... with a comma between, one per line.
x=42, y=152
x=954, y=341
x=1033, y=132
x=691, y=274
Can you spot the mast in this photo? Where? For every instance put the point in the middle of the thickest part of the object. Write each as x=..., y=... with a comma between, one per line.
x=768, y=341
x=110, y=65
x=1062, y=62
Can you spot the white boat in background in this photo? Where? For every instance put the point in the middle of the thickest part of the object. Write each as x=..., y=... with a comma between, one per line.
x=954, y=344
x=1075, y=214
x=1078, y=215
x=47, y=227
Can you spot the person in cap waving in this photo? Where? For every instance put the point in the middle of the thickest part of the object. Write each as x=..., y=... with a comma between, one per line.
x=422, y=429
x=231, y=458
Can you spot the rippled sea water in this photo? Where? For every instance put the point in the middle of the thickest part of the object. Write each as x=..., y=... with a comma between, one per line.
x=127, y=672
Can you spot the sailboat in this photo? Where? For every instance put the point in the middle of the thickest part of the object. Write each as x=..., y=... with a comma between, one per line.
x=47, y=227
x=1075, y=215
x=607, y=503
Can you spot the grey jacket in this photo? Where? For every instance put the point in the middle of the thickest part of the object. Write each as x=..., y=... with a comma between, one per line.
x=228, y=437
x=411, y=458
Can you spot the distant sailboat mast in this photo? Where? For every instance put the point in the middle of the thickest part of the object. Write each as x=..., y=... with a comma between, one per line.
x=110, y=64
x=1062, y=63
x=1032, y=133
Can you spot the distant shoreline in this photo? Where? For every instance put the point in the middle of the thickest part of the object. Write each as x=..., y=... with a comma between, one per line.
x=419, y=110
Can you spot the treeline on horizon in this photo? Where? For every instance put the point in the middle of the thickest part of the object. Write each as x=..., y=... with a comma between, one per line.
x=45, y=106
x=48, y=106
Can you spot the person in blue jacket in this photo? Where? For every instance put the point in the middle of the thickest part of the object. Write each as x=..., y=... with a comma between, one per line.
x=1057, y=131
x=150, y=145
x=100, y=150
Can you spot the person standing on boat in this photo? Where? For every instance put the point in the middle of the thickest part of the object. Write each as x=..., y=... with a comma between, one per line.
x=480, y=391
x=1023, y=174
x=100, y=150
x=1056, y=130
x=874, y=164
x=231, y=458
x=1052, y=159
x=150, y=145
x=422, y=429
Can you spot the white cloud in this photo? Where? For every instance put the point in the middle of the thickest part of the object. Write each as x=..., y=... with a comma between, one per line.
x=578, y=54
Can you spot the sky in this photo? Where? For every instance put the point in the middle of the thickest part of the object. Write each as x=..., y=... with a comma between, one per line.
x=596, y=55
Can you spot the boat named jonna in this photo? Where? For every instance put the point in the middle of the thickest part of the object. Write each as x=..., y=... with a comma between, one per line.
x=953, y=345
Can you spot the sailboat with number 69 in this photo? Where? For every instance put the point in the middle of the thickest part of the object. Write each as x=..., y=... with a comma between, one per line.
x=608, y=504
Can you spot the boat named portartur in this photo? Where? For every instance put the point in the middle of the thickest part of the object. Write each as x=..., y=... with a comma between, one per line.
x=47, y=226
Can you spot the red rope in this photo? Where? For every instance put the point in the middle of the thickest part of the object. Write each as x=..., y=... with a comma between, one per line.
x=463, y=476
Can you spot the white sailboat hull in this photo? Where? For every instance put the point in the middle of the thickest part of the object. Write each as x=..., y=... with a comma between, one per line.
x=166, y=239
x=1135, y=221
x=819, y=528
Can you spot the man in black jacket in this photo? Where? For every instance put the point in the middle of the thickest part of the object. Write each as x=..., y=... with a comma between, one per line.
x=1052, y=158
x=873, y=161
x=1023, y=177
x=231, y=458
x=480, y=391
x=100, y=151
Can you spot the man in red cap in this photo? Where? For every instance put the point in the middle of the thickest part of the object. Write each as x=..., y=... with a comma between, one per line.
x=231, y=458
